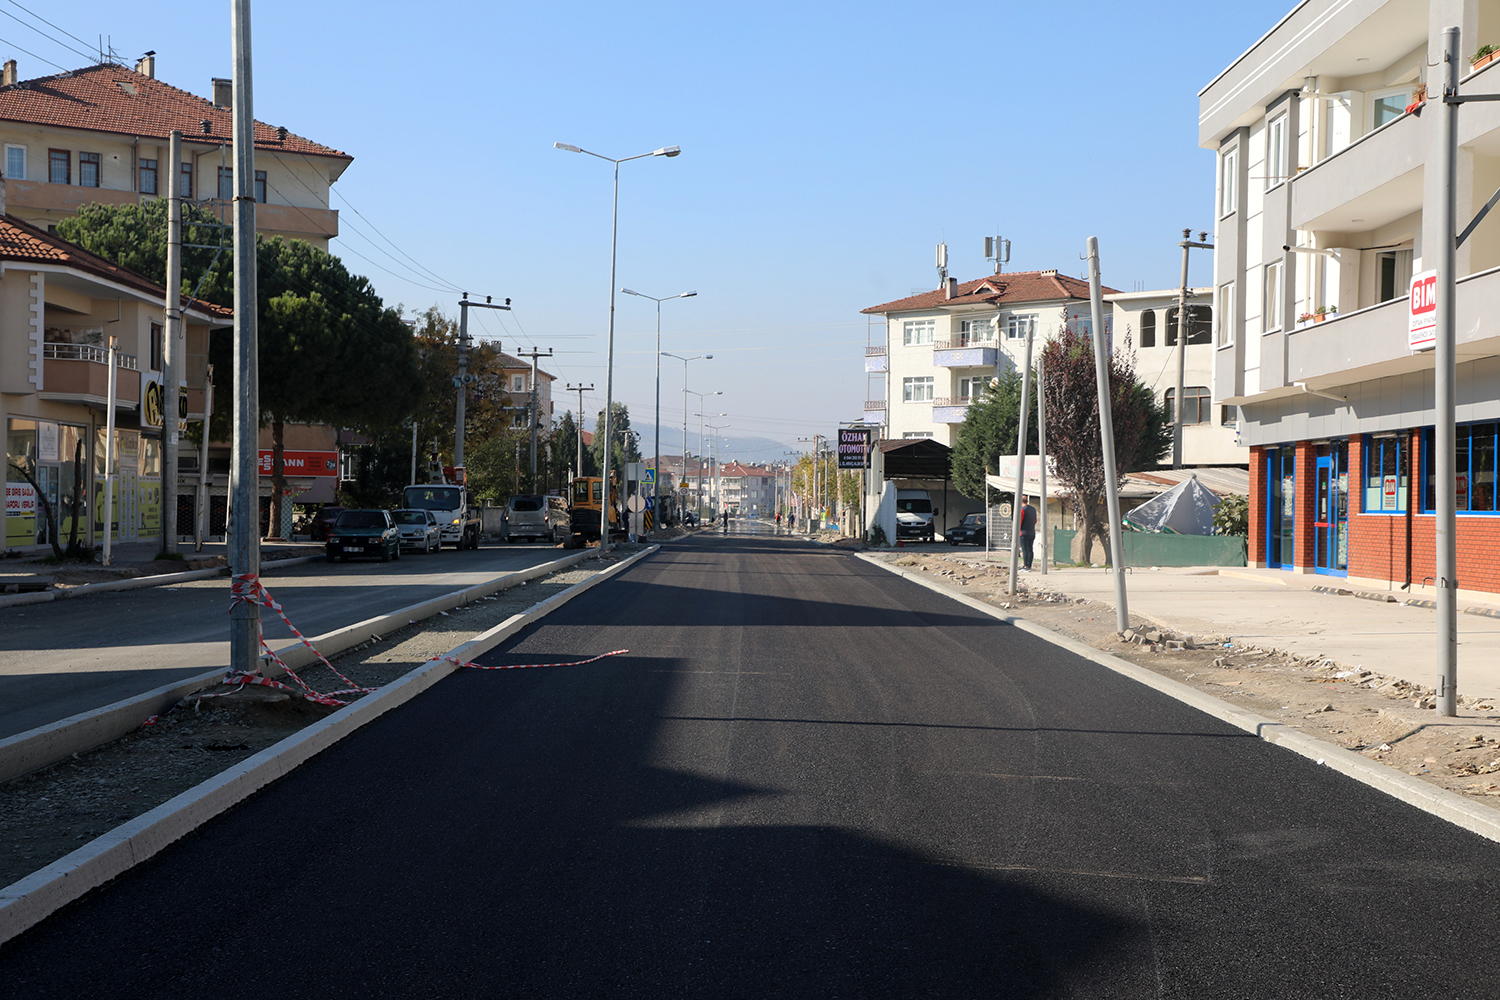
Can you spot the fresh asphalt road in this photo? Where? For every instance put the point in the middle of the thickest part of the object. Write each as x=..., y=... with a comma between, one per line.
x=64, y=657
x=808, y=778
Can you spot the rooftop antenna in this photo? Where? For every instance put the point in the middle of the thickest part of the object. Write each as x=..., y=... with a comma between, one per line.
x=997, y=249
x=942, y=264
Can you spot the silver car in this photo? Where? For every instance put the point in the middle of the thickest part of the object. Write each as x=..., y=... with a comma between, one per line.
x=419, y=530
x=539, y=518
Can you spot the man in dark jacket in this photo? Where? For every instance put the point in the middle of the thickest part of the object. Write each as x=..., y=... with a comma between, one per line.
x=1028, y=530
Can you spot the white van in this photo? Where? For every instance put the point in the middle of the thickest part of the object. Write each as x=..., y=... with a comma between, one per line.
x=914, y=515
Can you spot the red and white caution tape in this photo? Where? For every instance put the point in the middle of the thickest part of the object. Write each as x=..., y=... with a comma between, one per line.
x=248, y=589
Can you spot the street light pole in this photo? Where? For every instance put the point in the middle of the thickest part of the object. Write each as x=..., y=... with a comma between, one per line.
x=609, y=370
x=656, y=466
x=696, y=357
x=700, y=395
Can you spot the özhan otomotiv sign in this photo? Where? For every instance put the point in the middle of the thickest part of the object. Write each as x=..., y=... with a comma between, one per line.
x=854, y=448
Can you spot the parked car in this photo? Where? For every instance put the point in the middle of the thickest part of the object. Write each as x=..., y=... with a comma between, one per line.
x=536, y=518
x=322, y=521
x=419, y=529
x=364, y=533
x=915, y=515
x=970, y=530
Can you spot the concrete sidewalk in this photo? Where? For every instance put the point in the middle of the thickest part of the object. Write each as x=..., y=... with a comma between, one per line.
x=1281, y=610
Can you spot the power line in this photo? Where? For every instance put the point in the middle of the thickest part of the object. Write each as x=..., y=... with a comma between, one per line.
x=33, y=55
x=54, y=41
x=49, y=24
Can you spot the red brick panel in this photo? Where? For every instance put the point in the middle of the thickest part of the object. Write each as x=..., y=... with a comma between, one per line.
x=1307, y=488
x=1257, y=504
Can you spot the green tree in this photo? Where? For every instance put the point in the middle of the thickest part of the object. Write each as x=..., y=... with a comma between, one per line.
x=626, y=443
x=565, y=449
x=1142, y=433
x=135, y=237
x=989, y=431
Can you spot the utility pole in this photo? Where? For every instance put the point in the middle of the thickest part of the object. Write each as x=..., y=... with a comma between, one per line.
x=580, y=389
x=1445, y=569
x=203, y=481
x=244, y=471
x=534, y=404
x=1107, y=434
x=462, y=380
x=171, y=348
x=109, y=450
x=1041, y=440
x=1183, y=325
x=1015, y=516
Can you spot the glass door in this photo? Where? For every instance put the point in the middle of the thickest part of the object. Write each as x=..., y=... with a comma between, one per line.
x=1281, y=507
x=1331, y=511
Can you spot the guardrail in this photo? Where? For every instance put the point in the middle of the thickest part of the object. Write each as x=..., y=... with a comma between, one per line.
x=86, y=352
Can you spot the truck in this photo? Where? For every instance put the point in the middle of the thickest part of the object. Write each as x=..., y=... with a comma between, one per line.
x=914, y=515
x=586, y=507
x=457, y=516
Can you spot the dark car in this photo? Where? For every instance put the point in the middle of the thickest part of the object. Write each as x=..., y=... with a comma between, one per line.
x=364, y=533
x=322, y=521
x=971, y=530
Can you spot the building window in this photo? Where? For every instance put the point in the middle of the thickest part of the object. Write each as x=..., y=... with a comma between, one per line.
x=1388, y=105
x=917, y=332
x=917, y=390
x=1228, y=189
x=1276, y=171
x=972, y=388
x=518, y=383
x=1393, y=269
x=915, y=435
x=59, y=166
x=15, y=162
x=185, y=182
x=1148, y=328
x=89, y=169
x=1200, y=326
x=1270, y=311
x=1386, y=476
x=1197, y=404
x=158, y=356
x=226, y=184
x=1017, y=325
x=147, y=173
x=1226, y=315
x=260, y=186
x=976, y=331
x=1474, y=447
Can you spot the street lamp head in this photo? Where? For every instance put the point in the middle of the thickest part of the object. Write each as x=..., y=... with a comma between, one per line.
x=667, y=151
x=629, y=292
x=564, y=145
x=688, y=295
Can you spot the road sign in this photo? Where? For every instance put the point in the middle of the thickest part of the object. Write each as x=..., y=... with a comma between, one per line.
x=650, y=478
x=637, y=503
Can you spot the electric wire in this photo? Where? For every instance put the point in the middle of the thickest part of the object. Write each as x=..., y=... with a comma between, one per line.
x=54, y=41
x=33, y=55
x=48, y=23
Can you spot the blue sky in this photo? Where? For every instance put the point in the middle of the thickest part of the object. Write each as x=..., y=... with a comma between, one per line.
x=827, y=148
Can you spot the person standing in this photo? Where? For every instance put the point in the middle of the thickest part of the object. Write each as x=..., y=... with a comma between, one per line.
x=1028, y=530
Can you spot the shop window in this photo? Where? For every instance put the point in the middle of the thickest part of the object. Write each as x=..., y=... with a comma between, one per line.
x=1474, y=455
x=1386, y=474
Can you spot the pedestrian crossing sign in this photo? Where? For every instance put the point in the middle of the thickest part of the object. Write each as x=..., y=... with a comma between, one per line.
x=650, y=477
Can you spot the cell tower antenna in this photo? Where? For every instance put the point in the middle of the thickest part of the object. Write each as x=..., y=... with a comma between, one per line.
x=997, y=249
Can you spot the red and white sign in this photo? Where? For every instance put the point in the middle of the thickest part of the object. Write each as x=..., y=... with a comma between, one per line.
x=302, y=463
x=1389, y=490
x=1422, y=329
x=20, y=500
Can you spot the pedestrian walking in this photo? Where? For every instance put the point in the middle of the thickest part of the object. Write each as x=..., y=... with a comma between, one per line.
x=1028, y=530
x=778, y=522
x=791, y=520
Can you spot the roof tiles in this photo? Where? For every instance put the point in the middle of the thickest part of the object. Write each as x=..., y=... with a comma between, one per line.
x=996, y=290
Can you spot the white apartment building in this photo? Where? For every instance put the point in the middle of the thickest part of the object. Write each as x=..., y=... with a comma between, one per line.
x=942, y=348
x=1324, y=201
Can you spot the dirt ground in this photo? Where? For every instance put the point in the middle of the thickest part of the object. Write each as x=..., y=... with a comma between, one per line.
x=1383, y=718
x=53, y=811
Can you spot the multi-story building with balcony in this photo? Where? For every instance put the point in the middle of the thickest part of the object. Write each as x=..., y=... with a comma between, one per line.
x=1325, y=209
x=59, y=305
x=99, y=135
x=942, y=348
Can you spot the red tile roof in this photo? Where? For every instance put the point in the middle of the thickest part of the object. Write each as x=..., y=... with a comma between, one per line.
x=109, y=98
x=996, y=290
x=25, y=243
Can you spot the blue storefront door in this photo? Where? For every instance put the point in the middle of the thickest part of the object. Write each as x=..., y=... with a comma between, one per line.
x=1331, y=515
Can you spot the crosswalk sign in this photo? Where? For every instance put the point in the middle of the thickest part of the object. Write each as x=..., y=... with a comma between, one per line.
x=650, y=477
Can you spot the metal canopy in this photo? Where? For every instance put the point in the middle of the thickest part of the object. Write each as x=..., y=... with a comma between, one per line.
x=916, y=458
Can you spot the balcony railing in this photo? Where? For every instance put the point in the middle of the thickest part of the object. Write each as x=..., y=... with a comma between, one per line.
x=86, y=352
x=962, y=341
x=875, y=351
x=953, y=401
x=874, y=404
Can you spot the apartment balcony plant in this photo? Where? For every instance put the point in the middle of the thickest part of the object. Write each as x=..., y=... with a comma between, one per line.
x=1483, y=57
x=1318, y=315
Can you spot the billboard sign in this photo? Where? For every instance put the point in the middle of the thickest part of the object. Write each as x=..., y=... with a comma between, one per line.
x=854, y=448
x=1421, y=334
x=302, y=463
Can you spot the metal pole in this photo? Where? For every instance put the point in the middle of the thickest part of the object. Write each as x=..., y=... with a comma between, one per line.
x=1182, y=335
x=1015, y=514
x=1107, y=437
x=683, y=485
x=1445, y=571
x=413, y=478
x=109, y=454
x=462, y=382
x=1041, y=437
x=203, y=481
x=609, y=369
x=656, y=462
x=171, y=349
x=533, y=405
x=244, y=531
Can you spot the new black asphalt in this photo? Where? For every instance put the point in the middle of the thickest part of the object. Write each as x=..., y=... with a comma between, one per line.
x=808, y=778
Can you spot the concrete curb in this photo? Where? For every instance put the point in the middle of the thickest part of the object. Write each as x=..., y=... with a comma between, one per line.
x=1439, y=802
x=26, y=903
x=136, y=582
x=48, y=744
